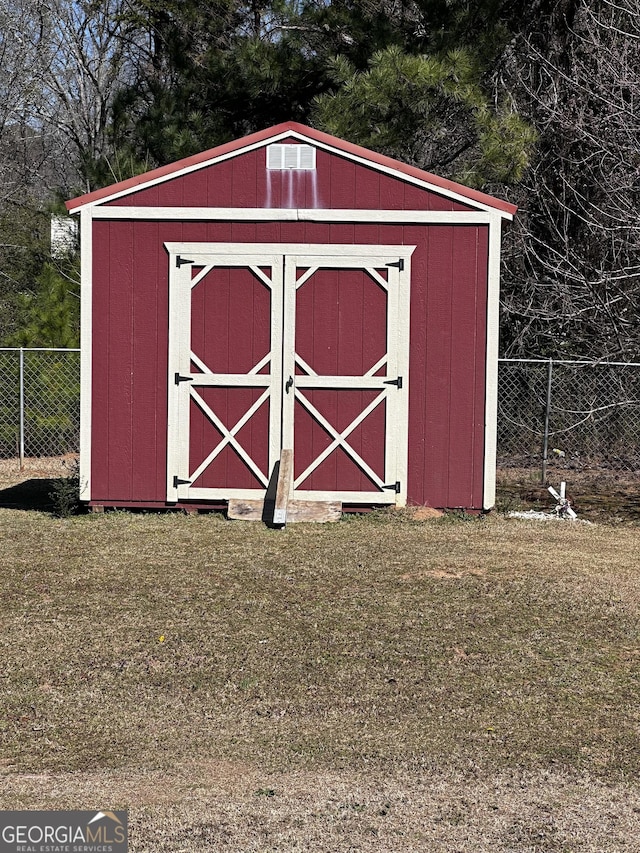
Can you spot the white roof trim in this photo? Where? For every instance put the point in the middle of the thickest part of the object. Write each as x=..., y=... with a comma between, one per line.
x=181, y=172
x=403, y=176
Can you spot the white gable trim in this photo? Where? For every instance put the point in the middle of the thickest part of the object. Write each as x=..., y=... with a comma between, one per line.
x=287, y=134
x=145, y=185
x=403, y=176
x=292, y=214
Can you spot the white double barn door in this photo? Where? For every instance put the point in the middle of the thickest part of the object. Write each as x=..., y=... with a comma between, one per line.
x=276, y=346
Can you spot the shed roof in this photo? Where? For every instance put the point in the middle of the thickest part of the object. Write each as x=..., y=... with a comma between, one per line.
x=287, y=130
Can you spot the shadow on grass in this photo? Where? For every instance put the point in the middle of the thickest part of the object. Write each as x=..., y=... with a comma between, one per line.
x=32, y=494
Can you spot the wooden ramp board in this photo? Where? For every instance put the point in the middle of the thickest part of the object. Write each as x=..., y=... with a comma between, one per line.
x=318, y=511
x=284, y=488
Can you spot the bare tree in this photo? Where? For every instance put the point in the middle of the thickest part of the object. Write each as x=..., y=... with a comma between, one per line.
x=572, y=270
x=88, y=51
x=24, y=158
x=62, y=63
x=21, y=139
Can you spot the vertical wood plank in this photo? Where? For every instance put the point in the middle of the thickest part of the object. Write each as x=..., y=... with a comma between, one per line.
x=342, y=233
x=392, y=194
x=100, y=378
x=415, y=198
x=323, y=179
x=219, y=183
x=195, y=190
x=171, y=193
x=318, y=233
x=367, y=189
x=419, y=435
x=438, y=348
x=120, y=356
x=463, y=370
x=343, y=183
x=218, y=232
x=291, y=232
x=267, y=232
x=244, y=178
x=147, y=378
x=243, y=232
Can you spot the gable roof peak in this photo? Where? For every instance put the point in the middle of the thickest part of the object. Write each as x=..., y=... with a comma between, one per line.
x=318, y=138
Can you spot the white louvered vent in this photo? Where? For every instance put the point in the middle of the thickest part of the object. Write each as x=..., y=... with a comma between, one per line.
x=291, y=157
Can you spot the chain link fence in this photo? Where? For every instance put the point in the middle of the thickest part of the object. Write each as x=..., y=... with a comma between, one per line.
x=581, y=415
x=39, y=402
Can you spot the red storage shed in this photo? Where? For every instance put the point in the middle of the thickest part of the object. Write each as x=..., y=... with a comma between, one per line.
x=289, y=290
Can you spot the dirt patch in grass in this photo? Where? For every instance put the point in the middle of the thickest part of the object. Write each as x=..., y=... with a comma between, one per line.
x=207, y=805
x=38, y=467
x=380, y=683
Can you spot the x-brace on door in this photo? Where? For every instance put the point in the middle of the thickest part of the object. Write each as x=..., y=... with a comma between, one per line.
x=276, y=346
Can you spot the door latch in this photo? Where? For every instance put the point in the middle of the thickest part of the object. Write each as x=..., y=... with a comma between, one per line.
x=288, y=384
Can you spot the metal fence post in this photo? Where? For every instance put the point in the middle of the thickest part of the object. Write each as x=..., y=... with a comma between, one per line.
x=21, y=408
x=547, y=411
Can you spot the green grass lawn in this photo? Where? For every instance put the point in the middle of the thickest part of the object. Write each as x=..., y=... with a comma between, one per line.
x=324, y=687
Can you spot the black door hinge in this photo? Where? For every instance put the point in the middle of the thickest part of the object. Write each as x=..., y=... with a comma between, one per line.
x=397, y=382
x=178, y=482
x=180, y=261
x=179, y=379
x=399, y=263
x=395, y=486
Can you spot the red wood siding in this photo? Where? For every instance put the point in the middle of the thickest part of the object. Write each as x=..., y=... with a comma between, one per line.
x=129, y=360
x=130, y=331
x=340, y=331
x=244, y=181
x=230, y=333
x=448, y=346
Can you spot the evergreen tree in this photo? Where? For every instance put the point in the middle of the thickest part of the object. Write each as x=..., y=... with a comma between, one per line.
x=24, y=248
x=216, y=71
x=50, y=316
x=404, y=76
x=429, y=111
